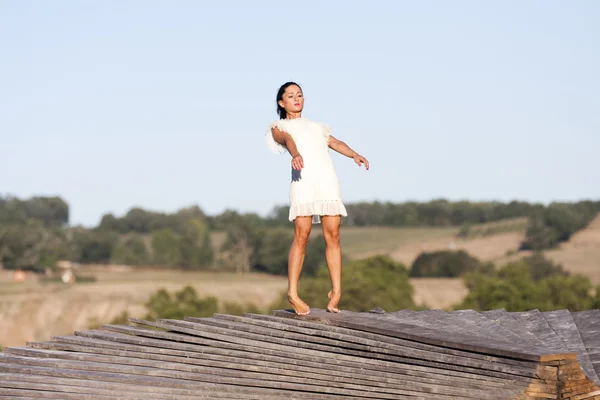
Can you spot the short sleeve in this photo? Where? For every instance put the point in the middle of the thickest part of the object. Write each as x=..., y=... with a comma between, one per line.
x=271, y=143
x=326, y=131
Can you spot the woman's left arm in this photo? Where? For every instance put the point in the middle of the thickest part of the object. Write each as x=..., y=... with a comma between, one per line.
x=344, y=149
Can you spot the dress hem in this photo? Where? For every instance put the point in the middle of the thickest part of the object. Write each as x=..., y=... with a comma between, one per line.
x=317, y=209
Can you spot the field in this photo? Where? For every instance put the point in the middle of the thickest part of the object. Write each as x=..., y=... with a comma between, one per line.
x=35, y=311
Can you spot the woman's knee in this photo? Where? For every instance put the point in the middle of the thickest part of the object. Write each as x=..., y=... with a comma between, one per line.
x=302, y=232
x=301, y=238
x=332, y=237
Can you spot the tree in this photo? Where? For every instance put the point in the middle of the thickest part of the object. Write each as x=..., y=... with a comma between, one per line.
x=366, y=284
x=31, y=246
x=243, y=240
x=93, y=246
x=531, y=283
x=131, y=251
x=166, y=248
x=184, y=303
x=446, y=264
x=196, y=248
x=50, y=211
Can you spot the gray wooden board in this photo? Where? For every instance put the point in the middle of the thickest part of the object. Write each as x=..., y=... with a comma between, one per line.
x=535, y=322
x=471, y=324
x=319, y=373
x=149, y=391
x=387, y=366
x=461, y=322
x=512, y=330
x=282, y=345
x=562, y=323
x=338, y=332
x=292, y=360
x=176, y=364
x=389, y=325
x=588, y=324
x=342, y=342
x=14, y=394
x=87, y=372
x=128, y=392
x=38, y=394
x=503, y=318
x=190, y=374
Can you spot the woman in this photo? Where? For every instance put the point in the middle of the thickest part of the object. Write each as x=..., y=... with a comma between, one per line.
x=314, y=192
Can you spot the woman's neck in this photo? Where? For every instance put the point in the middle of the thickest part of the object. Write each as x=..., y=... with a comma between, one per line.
x=293, y=115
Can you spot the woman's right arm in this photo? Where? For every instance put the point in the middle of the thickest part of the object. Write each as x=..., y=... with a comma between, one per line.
x=285, y=139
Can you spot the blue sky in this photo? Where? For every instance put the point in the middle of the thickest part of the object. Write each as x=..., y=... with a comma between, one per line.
x=164, y=104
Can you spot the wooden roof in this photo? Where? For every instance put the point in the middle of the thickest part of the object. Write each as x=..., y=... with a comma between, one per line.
x=411, y=355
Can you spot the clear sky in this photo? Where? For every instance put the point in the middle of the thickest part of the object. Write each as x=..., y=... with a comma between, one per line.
x=163, y=104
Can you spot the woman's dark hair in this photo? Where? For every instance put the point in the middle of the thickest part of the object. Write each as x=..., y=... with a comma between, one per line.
x=281, y=110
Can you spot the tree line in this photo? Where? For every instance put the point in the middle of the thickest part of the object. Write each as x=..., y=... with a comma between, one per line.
x=35, y=232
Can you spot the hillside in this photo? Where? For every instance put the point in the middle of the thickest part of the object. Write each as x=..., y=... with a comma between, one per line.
x=35, y=311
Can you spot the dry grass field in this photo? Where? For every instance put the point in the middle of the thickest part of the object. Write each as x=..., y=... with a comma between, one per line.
x=35, y=311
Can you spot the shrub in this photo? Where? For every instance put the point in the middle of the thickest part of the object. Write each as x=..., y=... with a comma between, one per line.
x=446, y=264
x=366, y=284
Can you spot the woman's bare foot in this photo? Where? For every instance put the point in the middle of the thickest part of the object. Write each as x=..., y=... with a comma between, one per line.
x=334, y=300
x=300, y=307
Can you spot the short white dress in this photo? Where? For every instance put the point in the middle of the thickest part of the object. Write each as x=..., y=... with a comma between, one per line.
x=315, y=190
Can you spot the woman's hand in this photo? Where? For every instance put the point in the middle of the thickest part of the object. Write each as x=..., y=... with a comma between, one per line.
x=297, y=162
x=358, y=159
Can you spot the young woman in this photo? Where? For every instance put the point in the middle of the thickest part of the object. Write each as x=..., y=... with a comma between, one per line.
x=314, y=192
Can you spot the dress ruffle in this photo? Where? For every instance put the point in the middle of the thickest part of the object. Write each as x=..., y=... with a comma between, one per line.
x=316, y=209
x=271, y=143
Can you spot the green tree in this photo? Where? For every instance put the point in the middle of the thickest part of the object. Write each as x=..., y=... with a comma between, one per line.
x=31, y=246
x=244, y=239
x=196, y=249
x=366, y=284
x=446, y=264
x=531, y=283
x=131, y=251
x=92, y=246
x=166, y=248
x=184, y=303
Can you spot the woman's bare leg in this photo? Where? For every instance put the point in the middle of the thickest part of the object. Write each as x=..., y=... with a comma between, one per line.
x=333, y=254
x=302, y=227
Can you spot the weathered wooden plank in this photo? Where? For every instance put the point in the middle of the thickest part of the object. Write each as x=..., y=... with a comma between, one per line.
x=191, y=328
x=341, y=333
x=417, y=374
x=231, y=371
x=465, y=322
x=386, y=324
x=257, y=345
x=503, y=318
x=373, y=347
x=192, y=373
x=149, y=392
x=235, y=391
x=535, y=322
x=588, y=324
x=562, y=323
x=37, y=394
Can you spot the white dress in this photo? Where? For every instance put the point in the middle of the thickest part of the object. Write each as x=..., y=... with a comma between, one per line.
x=315, y=190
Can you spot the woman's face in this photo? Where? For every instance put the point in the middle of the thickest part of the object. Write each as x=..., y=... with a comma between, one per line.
x=292, y=100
